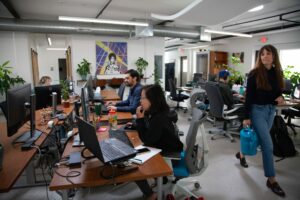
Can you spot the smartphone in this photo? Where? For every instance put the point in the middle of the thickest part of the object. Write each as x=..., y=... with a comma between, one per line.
x=143, y=150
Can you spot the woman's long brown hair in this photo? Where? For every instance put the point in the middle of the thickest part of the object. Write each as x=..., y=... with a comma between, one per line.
x=261, y=72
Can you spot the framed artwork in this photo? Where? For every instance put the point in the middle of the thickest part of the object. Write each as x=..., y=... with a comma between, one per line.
x=111, y=58
x=239, y=55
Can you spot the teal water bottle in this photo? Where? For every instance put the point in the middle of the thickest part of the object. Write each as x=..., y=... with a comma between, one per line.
x=242, y=90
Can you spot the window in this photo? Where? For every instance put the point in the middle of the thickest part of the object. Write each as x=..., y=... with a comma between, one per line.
x=290, y=57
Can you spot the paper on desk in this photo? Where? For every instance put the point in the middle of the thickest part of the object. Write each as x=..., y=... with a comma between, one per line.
x=143, y=157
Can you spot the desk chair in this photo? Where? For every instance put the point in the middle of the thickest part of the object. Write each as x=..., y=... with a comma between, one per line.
x=178, y=97
x=197, y=99
x=216, y=109
x=293, y=112
x=193, y=159
x=121, y=90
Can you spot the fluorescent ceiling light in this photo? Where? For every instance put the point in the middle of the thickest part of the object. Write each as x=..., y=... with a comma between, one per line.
x=56, y=49
x=101, y=21
x=227, y=33
x=49, y=41
x=257, y=8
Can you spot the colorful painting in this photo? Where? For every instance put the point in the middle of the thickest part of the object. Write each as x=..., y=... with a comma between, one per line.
x=111, y=58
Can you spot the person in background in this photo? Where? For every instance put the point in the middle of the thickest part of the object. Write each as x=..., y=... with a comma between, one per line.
x=132, y=80
x=154, y=127
x=230, y=97
x=45, y=80
x=264, y=90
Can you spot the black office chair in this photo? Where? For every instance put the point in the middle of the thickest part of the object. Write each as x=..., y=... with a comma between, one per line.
x=178, y=97
x=216, y=109
x=293, y=112
x=288, y=87
x=121, y=90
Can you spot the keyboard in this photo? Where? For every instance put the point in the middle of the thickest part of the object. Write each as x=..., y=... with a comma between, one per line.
x=116, y=150
x=76, y=141
x=120, y=135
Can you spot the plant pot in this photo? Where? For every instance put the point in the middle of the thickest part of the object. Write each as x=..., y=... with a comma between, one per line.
x=83, y=77
x=66, y=104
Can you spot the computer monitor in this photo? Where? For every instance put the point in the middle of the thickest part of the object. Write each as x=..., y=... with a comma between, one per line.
x=44, y=95
x=85, y=104
x=90, y=87
x=21, y=108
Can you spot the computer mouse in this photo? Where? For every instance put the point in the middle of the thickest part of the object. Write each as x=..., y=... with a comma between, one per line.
x=128, y=126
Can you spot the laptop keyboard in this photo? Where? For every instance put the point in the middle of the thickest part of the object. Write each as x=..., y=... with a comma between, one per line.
x=120, y=135
x=115, y=151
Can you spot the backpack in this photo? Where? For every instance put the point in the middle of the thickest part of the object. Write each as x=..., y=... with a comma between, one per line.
x=283, y=146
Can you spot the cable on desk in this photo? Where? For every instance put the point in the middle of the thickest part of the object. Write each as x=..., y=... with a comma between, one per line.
x=86, y=157
x=46, y=184
x=102, y=173
x=70, y=174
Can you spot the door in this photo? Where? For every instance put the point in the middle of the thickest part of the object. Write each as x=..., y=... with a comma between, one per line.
x=202, y=64
x=183, y=70
x=169, y=74
x=62, y=69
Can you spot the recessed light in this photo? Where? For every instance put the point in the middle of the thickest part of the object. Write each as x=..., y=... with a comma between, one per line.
x=256, y=8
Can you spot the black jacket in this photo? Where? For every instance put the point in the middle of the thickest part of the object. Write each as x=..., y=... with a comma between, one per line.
x=158, y=131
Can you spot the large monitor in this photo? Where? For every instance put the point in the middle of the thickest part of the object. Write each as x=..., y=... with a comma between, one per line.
x=21, y=108
x=44, y=95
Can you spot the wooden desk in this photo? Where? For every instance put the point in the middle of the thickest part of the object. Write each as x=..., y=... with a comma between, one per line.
x=287, y=105
x=15, y=160
x=122, y=117
x=110, y=95
x=90, y=170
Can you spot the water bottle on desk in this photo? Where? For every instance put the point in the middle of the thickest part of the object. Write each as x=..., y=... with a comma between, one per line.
x=113, y=119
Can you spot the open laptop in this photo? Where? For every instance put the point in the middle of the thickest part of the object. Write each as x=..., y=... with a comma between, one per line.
x=110, y=150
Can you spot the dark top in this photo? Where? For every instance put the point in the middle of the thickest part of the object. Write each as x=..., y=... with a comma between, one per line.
x=259, y=96
x=133, y=100
x=227, y=94
x=158, y=131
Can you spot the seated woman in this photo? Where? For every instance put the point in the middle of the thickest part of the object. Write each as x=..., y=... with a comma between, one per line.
x=45, y=80
x=155, y=127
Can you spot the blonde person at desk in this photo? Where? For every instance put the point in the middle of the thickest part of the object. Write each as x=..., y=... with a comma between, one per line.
x=132, y=102
x=264, y=90
x=154, y=127
x=45, y=81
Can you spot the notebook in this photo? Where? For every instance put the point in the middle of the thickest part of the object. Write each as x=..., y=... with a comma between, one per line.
x=109, y=150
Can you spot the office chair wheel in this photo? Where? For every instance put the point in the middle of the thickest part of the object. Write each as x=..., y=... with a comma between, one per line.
x=197, y=185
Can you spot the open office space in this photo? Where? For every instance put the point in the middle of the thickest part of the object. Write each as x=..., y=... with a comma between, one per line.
x=185, y=45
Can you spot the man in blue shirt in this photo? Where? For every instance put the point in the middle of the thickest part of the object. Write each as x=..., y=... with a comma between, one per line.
x=133, y=101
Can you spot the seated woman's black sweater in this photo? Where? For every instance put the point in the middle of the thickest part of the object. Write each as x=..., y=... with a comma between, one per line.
x=158, y=131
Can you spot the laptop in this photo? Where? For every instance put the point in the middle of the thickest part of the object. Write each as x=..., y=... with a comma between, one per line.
x=110, y=150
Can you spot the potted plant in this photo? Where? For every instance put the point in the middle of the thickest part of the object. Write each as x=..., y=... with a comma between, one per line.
x=141, y=65
x=235, y=76
x=65, y=93
x=6, y=78
x=83, y=69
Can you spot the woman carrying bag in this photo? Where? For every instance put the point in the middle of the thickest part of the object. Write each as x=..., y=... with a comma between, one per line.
x=264, y=90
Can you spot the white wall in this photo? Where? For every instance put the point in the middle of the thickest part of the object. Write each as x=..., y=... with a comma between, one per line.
x=48, y=63
x=85, y=47
x=14, y=46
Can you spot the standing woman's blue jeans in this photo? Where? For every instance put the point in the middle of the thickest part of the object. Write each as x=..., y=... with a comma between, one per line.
x=262, y=117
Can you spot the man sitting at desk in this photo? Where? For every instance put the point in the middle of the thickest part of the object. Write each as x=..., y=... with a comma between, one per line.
x=132, y=80
x=230, y=97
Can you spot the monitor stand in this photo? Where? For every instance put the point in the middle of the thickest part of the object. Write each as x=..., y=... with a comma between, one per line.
x=32, y=134
x=27, y=135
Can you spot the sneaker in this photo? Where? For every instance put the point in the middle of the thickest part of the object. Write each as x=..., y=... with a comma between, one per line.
x=275, y=188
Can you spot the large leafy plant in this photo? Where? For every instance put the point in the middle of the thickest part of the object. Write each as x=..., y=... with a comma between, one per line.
x=235, y=77
x=6, y=78
x=293, y=76
x=84, y=69
x=141, y=65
